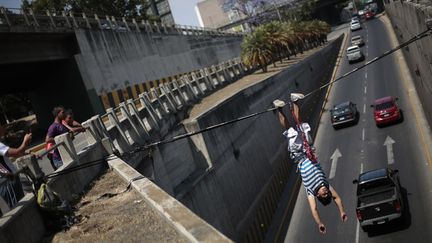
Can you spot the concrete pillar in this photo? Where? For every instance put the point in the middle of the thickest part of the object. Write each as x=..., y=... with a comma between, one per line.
x=133, y=131
x=53, y=25
x=32, y=164
x=100, y=126
x=136, y=25
x=109, y=21
x=159, y=102
x=153, y=116
x=157, y=27
x=91, y=132
x=24, y=14
x=178, y=95
x=167, y=95
x=86, y=20
x=185, y=91
x=98, y=21
x=133, y=111
x=207, y=79
x=122, y=141
x=114, y=21
x=190, y=89
x=194, y=82
x=126, y=24
x=66, y=148
x=221, y=74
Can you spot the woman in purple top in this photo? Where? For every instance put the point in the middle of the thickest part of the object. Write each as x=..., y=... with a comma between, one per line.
x=56, y=128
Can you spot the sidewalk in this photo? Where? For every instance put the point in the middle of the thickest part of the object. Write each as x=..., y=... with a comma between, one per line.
x=213, y=100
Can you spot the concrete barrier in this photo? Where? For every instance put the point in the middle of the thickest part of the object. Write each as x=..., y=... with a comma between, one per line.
x=180, y=217
x=408, y=19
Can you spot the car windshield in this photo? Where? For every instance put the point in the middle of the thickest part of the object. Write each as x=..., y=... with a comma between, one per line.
x=374, y=186
x=355, y=22
x=353, y=50
x=356, y=38
x=384, y=106
x=340, y=111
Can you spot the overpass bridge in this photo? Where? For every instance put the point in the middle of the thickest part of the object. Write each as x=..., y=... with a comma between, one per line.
x=92, y=63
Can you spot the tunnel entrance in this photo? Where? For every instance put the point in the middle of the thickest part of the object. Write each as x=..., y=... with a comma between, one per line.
x=46, y=84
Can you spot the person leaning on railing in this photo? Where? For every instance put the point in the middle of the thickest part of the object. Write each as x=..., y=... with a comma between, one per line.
x=10, y=186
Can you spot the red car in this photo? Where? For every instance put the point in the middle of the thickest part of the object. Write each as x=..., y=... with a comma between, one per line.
x=386, y=111
x=369, y=15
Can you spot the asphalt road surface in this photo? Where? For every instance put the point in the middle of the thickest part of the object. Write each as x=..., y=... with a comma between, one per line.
x=362, y=148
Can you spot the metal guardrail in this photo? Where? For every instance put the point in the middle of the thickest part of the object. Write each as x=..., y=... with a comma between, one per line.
x=63, y=21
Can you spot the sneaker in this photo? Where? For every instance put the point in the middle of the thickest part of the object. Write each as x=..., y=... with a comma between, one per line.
x=278, y=103
x=296, y=96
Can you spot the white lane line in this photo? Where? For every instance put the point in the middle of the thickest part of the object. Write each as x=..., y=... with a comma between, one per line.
x=363, y=134
x=361, y=168
x=365, y=90
x=365, y=75
x=357, y=232
x=336, y=155
x=364, y=108
x=389, y=144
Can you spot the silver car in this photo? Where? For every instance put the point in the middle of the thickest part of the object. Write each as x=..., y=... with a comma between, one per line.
x=355, y=25
x=354, y=54
x=357, y=40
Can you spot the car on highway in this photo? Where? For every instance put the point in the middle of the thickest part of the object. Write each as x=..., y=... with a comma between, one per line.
x=369, y=15
x=386, y=111
x=345, y=113
x=354, y=19
x=354, y=54
x=355, y=25
x=357, y=40
x=379, y=197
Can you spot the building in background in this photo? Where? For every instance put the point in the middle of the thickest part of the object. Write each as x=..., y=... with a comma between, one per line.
x=213, y=14
x=162, y=9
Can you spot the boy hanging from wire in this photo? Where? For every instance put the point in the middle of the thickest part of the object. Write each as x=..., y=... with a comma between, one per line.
x=301, y=152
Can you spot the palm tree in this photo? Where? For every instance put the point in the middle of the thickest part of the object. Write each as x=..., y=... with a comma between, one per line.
x=276, y=38
x=256, y=49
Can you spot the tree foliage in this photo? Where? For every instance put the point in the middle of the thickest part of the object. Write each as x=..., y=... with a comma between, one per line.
x=275, y=40
x=127, y=8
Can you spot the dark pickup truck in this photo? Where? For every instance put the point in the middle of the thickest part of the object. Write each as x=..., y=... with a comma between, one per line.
x=379, y=198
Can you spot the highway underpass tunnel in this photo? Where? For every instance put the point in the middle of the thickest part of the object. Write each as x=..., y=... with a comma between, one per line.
x=41, y=86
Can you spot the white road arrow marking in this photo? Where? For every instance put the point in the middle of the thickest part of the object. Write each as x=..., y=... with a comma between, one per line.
x=389, y=144
x=336, y=155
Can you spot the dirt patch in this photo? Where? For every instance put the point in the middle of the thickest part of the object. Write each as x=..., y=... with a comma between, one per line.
x=125, y=217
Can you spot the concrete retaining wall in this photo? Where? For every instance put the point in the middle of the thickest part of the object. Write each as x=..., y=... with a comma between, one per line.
x=408, y=19
x=116, y=60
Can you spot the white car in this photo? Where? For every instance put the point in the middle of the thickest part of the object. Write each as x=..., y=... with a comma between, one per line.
x=354, y=54
x=355, y=25
x=357, y=40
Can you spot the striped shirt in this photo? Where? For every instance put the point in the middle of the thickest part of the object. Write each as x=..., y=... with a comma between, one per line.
x=312, y=176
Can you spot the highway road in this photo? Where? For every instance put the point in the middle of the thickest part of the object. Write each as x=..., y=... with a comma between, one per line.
x=362, y=148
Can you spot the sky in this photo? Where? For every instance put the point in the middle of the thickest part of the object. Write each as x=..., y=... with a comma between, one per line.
x=183, y=10
x=10, y=3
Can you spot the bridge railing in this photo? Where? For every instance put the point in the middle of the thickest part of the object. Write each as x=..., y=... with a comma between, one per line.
x=15, y=19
